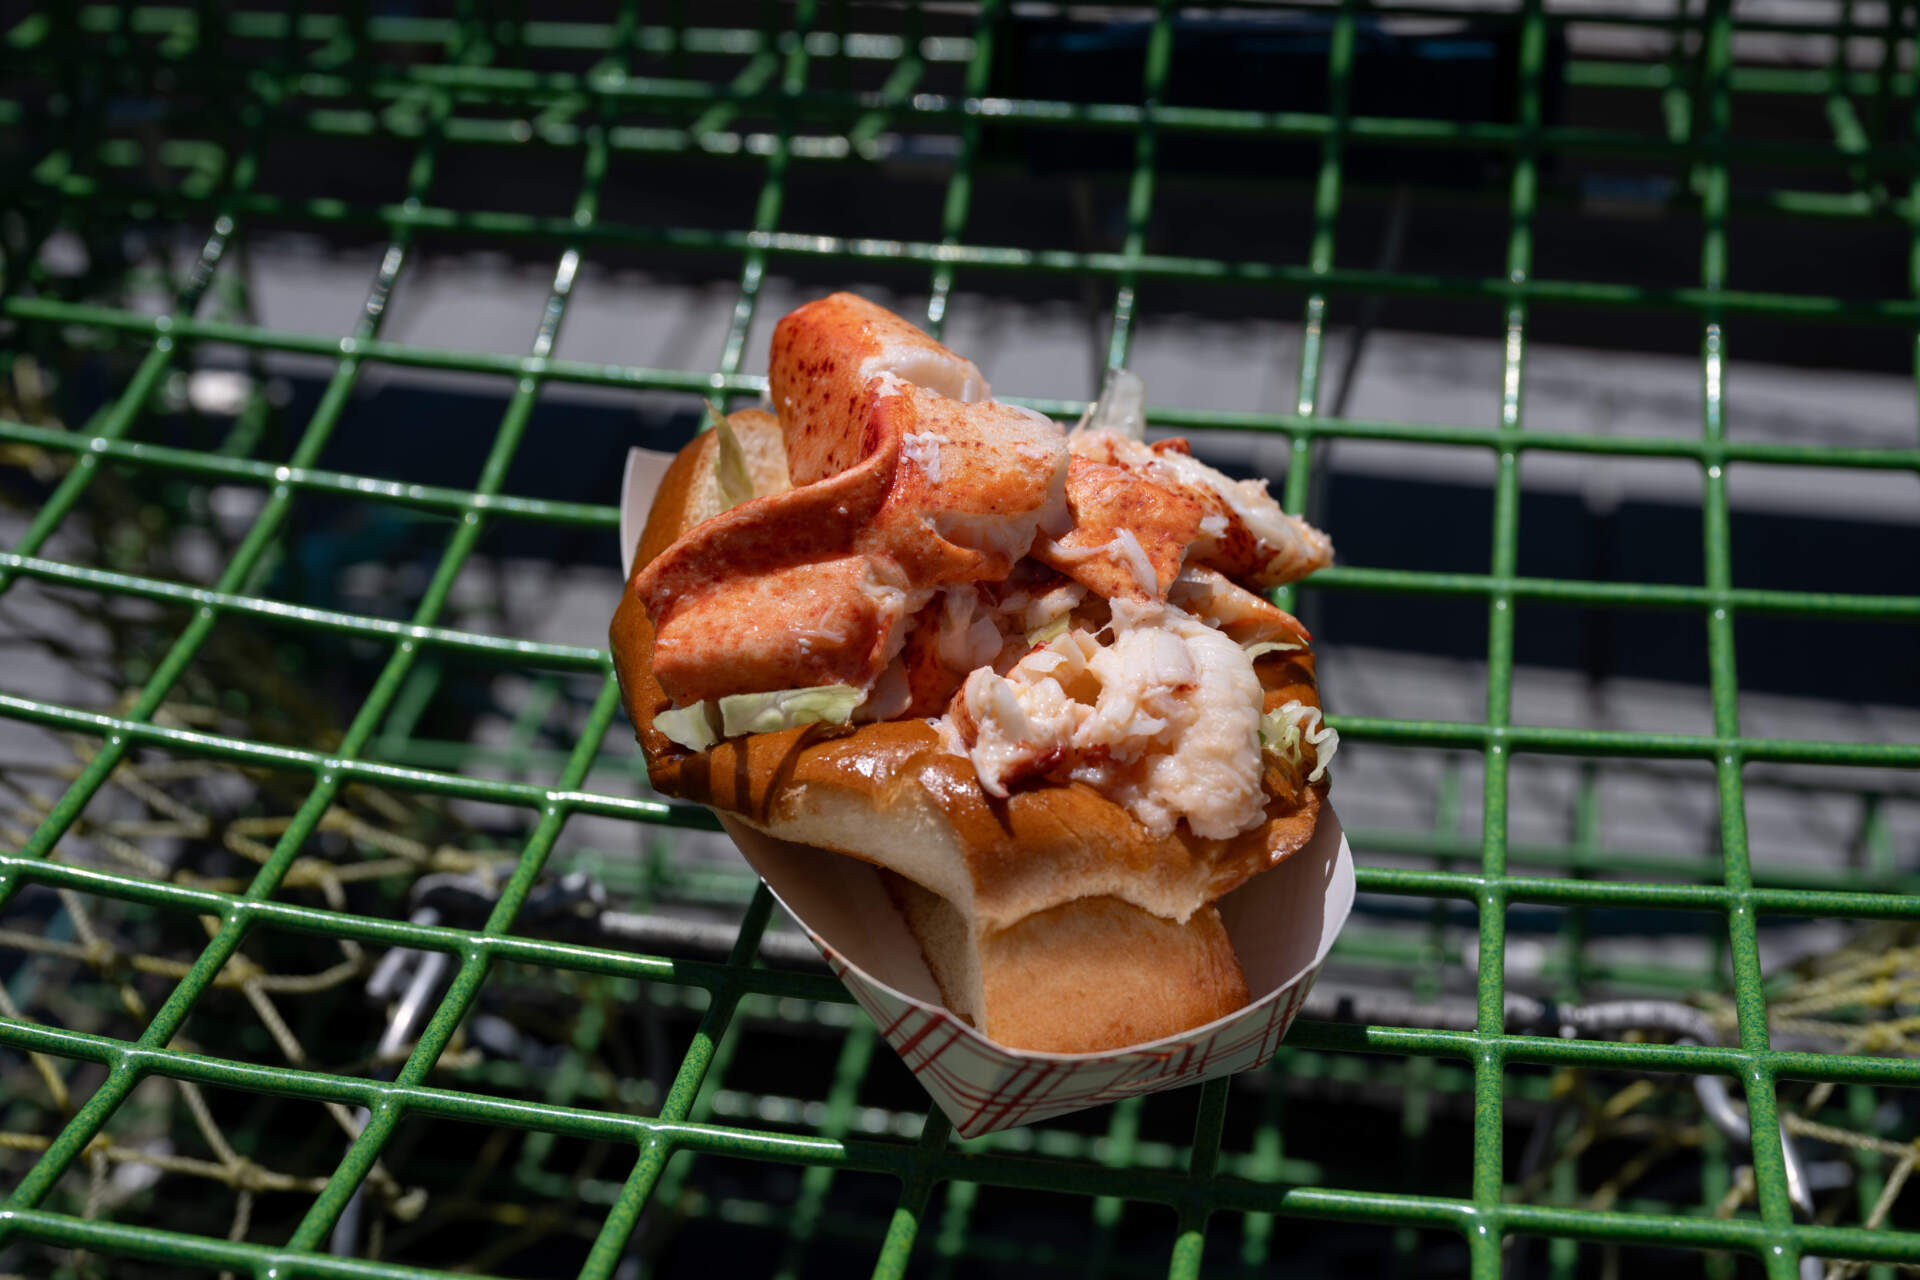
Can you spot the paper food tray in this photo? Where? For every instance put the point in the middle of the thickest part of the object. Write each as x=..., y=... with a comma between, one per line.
x=1282, y=924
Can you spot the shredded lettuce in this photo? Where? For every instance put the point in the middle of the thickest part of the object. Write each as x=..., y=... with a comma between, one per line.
x=692, y=727
x=786, y=708
x=1121, y=407
x=1273, y=646
x=1286, y=727
x=704, y=723
x=729, y=461
x=1051, y=631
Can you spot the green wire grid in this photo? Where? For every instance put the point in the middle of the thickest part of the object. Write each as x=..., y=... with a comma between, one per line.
x=330, y=76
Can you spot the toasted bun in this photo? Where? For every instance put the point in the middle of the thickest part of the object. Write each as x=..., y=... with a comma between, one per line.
x=1088, y=975
x=1054, y=886
x=690, y=491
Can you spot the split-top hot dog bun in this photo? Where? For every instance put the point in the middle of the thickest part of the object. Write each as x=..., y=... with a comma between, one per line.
x=1056, y=806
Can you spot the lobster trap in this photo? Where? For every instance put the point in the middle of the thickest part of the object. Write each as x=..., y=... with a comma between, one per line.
x=339, y=933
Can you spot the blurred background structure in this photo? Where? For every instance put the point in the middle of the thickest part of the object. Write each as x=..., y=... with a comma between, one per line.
x=339, y=932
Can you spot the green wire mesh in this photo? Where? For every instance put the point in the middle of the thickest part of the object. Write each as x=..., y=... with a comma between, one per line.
x=599, y=1150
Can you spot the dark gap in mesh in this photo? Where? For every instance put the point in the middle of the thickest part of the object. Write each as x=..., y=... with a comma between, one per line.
x=535, y=180
x=1574, y=659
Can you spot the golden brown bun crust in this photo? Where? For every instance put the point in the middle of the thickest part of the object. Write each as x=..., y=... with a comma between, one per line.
x=1103, y=974
x=1081, y=977
x=1043, y=845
